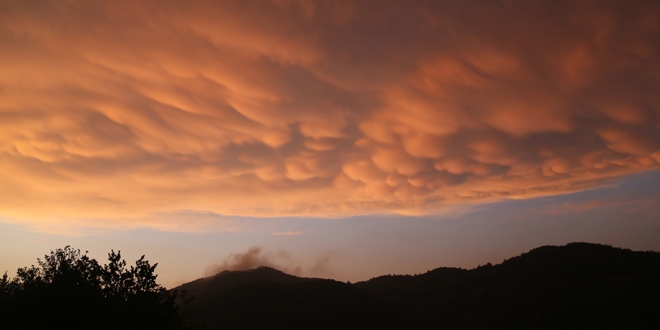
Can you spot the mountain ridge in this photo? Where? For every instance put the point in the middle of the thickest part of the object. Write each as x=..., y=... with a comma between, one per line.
x=569, y=286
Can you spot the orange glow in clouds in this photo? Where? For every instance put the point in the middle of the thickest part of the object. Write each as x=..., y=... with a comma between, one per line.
x=120, y=110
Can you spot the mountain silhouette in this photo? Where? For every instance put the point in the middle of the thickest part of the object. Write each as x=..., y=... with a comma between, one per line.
x=579, y=285
x=210, y=286
x=266, y=298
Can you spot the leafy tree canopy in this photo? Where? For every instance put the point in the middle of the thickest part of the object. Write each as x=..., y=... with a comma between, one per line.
x=69, y=290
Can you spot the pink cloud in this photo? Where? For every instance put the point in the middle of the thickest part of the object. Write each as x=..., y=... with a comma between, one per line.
x=126, y=109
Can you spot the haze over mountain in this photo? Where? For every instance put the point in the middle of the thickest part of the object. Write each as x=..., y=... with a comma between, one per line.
x=579, y=285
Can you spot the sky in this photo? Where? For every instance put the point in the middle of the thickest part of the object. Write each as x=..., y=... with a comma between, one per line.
x=339, y=139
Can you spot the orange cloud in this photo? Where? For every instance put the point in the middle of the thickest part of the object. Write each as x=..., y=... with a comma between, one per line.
x=124, y=109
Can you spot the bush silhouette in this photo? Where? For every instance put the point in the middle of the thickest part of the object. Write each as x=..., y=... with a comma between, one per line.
x=69, y=290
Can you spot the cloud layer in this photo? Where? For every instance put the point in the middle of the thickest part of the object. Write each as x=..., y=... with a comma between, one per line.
x=290, y=107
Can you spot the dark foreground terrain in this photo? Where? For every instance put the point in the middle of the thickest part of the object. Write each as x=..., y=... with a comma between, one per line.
x=577, y=286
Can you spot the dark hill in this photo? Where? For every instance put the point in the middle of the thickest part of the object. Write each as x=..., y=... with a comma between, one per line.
x=265, y=298
x=579, y=285
x=213, y=285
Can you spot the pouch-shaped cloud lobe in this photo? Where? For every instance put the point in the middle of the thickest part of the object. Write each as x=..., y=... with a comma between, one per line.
x=271, y=108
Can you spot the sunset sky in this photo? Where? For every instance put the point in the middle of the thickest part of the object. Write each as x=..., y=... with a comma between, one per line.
x=339, y=139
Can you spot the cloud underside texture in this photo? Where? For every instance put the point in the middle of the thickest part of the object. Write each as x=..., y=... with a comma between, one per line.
x=324, y=108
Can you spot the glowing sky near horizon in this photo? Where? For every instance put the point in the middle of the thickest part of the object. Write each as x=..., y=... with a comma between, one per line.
x=185, y=116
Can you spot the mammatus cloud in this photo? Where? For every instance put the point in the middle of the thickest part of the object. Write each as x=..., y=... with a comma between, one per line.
x=125, y=109
x=255, y=257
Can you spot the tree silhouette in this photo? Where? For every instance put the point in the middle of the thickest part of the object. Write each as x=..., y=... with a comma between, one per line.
x=69, y=290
